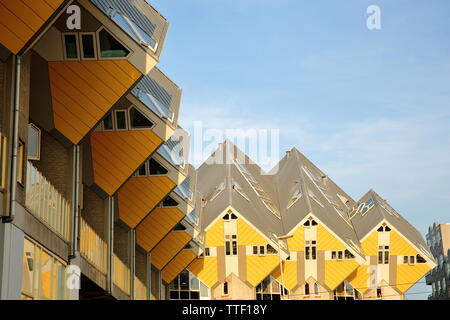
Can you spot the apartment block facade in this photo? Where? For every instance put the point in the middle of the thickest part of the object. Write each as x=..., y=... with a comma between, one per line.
x=97, y=200
x=292, y=233
x=438, y=239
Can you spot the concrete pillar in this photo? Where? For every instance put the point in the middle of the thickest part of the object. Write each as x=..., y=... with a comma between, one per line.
x=11, y=261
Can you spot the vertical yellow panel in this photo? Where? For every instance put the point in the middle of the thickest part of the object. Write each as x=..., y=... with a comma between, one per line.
x=289, y=274
x=408, y=275
x=400, y=247
x=258, y=268
x=297, y=242
x=248, y=236
x=326, y=241
x=214, y=235
x=370, y=244
x=205, y=269
x=337, y=271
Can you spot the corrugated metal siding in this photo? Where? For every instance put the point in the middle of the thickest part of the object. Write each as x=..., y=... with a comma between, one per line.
x=137, y=10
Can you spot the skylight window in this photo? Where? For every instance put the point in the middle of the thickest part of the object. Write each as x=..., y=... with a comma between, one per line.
x=295, y=197
x=238, y=189
x=312, y=195
x=154, y=104
x=264, y=196
x=133, y=30
x=217, y=191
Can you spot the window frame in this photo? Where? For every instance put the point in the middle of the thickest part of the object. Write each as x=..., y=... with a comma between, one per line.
x=20, y=162
x=127, y=122
x=99, y=53
x=77, y=40
x=129, y=119
x=39, y=142
x=95, y=42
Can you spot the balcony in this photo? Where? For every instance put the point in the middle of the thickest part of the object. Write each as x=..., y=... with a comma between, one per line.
x=48, y=204
x=121, y=276
x=140, y=290
x=92, y=247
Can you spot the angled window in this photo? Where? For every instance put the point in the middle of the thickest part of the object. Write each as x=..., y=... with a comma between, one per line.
x=270, y=289
x=313, y=196
x=179, y=227
x=70, y=46
x=239, y=190
x=142, y=171
x=156, y=168
x=138, y=120
x=263, y=195
x=271, y=250
x=110, y=47
x=420, y=259
x=217, y=191
x=88, y=50
x=307, y=223
x=34, y=142
x=169, y=202
x=108, y=124
x=313, y=223
x=295, y=197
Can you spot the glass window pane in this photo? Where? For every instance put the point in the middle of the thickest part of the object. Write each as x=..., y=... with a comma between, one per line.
x=156, y=168
x=184, y=295
x=34, y=137
x=138, y=120
x=108, y=122
x=195, y=284
x=174, y=295
x=88, y=46
x=29, y=265
x=184, y=281
x=110, y=47
x=142, y=170
x=121, y=120
x=195, y=295
x=71, y=46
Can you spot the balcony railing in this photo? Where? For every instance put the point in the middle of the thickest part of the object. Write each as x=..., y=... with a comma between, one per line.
x=92, y=247
x=47, y=203
x=121, y=275
x=140, y=290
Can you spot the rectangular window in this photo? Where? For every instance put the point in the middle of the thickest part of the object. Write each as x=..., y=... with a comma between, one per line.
x=225, y=289
x=411, y=260
x=71, y=46
x=333, y=255
x=255, y=250
x=34, y=142
x=261, y=250
x=207, y=252
x=234, y=243
x=88, y=46
x=307, y=253
x=108, y=123
x=405, y=259
x=383, y=255
x=313, y=250
x=339, y=255
x=227, y=248
x=20, y=162
x=121, y=120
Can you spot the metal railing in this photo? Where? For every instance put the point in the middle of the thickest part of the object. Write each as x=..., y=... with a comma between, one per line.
x=92, y=247
x=121, y=275
x=47, y=203
x=140, y=290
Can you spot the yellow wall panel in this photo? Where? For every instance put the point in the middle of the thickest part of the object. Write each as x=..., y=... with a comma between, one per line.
x=116, y=155
x=84, y=91
x=258, y=268
x=169, y=247
x=156, y=226
x=140, y=195
x=400, y=247
x=326, y=241
x=370, y=244
x=21, y=19
x=247, y=236
x=289, y=274
x=408, y=275
x=177, y=265
x=205, y=269
x=360, y=278
x=297, y=242
x=337, y=271
x=215, y=235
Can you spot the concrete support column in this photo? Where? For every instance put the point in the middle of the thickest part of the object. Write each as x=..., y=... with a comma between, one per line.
x=132, y=261
x=110, y=244
x=149, y=275
x=11, y=261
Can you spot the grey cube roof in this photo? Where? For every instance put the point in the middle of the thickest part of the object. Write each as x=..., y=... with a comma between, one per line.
x=222, y=184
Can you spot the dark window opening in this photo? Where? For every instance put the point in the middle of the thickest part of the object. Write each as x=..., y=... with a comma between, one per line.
x=121, y=120
x=387, y=228
x=110, y=47
x=380, y=229
x=233, y=216
x=313, y=223
x=420, y=259
x=307, y=224
x=179, y=227
x=71, y=46
x=108, y=122
x=169, y=202
x=138, y=120
x=88, y=46
x=156, y=168
x=142, y=170
x=271, y=250
x=225, y=288
x=307, y=289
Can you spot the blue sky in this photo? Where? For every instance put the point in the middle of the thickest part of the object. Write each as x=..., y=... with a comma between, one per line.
x=370, y=108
